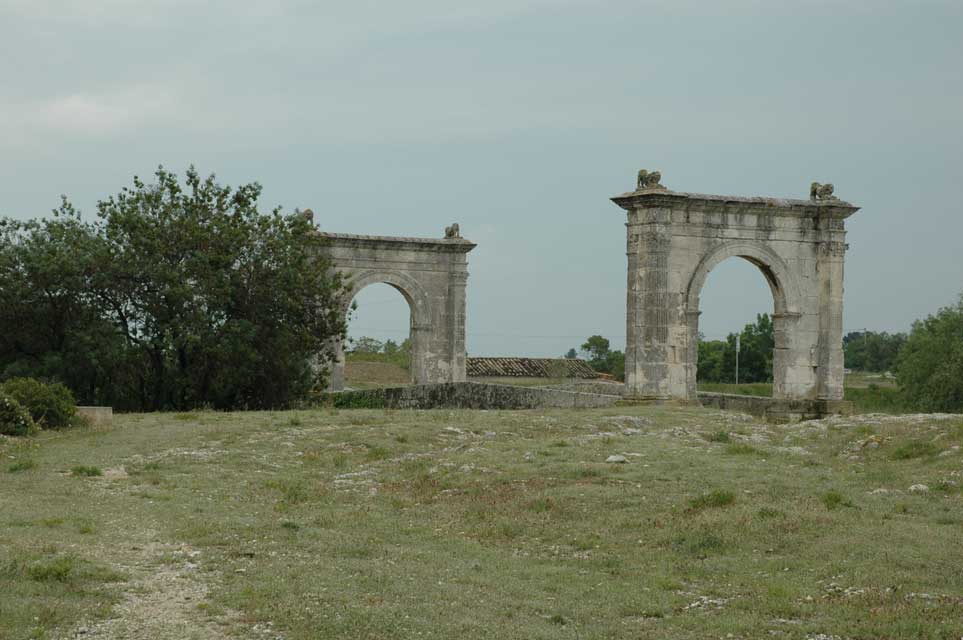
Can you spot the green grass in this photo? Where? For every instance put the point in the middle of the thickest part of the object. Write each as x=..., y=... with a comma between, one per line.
x=719, y=436
x=717, y=498
x=914, y=449
x=833, y=500
x=406, y=524
x=86, y=471
x=740, y=449
x=877, y=399
x=24, y=464
x=867, y=397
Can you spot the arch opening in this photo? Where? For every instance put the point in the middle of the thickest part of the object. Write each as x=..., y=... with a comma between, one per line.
x=419, y=325
x=378, y=350
x=733, y=325
x=775, y=329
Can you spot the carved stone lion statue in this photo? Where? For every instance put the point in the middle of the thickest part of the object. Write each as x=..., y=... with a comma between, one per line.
x=821, y=192
x=648, y=180
x=453, y=231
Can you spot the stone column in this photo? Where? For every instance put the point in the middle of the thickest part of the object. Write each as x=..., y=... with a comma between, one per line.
x=655, y=366
x=790, y=371
x=829, y=265
x=457, y=285
x=424, y=352
x=336, y=373
x=692, y=355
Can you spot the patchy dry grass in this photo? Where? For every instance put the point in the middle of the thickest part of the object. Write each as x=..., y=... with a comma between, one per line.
x=394, y=524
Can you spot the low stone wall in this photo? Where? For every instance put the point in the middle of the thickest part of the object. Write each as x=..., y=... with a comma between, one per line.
x=590, y=386
x=469, y=395
x=776, y=409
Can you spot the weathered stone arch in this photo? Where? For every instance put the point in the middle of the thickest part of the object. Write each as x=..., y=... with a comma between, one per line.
x=675, y=239
x=431, y=274
x=779, y=277
x=413, y=293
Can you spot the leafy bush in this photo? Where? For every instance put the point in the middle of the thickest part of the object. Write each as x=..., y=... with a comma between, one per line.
x=237, y=321
x=14, y=419
x=930, y=365
x=352, y=400
x=52, y=406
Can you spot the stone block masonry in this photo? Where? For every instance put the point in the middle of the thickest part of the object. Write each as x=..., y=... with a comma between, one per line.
x=673, y=241
x=431, y=274
x=470, y=395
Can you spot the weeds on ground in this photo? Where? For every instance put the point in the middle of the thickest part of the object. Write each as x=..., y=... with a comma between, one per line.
x=86, y=471
x=24, y=464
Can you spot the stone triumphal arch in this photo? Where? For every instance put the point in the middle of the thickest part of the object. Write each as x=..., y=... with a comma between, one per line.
x=431, y=274
x=675, y=239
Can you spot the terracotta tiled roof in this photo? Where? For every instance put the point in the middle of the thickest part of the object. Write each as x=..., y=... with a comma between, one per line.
x=530, y=368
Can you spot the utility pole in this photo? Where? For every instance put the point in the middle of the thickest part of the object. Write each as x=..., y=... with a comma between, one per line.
x=737, y=358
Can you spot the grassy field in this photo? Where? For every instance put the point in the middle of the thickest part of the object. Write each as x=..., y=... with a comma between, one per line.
x=361, y=374
x=868, y=394
x=385, y=524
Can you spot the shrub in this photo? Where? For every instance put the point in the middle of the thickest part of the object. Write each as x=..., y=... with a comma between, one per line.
x=914, y=449
x=930, y=364
x=719, y=436
x=86, y=471
x=52, y=406
x=15, y=420
x=717, y=498
x=834, y=499
x=740, y=449
x=21, y=465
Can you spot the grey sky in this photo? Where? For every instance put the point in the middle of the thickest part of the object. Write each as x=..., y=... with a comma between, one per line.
x=518, y=119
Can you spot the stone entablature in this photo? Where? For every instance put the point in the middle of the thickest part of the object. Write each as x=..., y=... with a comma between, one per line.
x=431, y=274
x=674, y=239
x=435, y=245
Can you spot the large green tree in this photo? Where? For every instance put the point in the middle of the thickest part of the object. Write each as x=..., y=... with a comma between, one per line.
x=717, y=358
x=930, y=365
x=180, y=295
x=602, y=357
x=50, y=324
x=871, y=350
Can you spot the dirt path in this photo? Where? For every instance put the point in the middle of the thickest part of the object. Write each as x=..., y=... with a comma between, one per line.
x=165, y=598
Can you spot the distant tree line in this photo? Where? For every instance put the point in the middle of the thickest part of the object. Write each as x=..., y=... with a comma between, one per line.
x=872, y=351
x=179, y=295
x=372, y=350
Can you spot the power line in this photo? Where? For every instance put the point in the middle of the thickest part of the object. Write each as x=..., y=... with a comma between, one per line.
x=580, y=336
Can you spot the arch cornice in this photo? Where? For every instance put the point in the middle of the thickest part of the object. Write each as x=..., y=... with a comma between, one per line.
x=782, y=281
x=409, y=287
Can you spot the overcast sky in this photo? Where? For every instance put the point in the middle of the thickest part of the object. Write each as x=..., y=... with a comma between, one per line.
x=518, y=119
